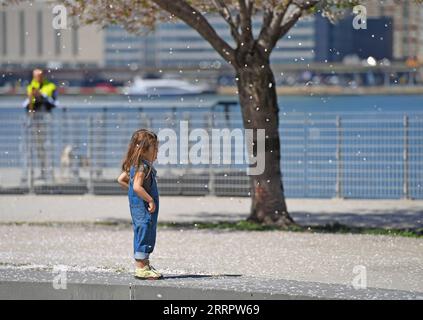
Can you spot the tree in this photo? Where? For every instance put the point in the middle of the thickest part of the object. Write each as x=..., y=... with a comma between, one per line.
x=250, y=59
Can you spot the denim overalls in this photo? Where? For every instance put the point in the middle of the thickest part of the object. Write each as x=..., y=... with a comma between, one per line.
x=144, y=223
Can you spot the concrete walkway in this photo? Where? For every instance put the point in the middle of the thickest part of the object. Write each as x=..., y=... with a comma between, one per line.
x=394, y=263
x=88, y=208
x=209, y=264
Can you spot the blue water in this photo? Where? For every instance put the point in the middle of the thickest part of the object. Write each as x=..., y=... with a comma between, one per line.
x=368, y=103
x=351, y=103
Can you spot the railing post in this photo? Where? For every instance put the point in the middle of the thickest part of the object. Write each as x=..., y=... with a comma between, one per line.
x=30, y=165
x=338, y=188
x=90, y=154
x=305, y=154
x=76, y=154
x=187, y=175
x=405, y=158
x=212, y=178
x=102, y=143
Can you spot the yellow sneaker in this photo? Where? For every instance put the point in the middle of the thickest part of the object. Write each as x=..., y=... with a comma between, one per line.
x=147, y=273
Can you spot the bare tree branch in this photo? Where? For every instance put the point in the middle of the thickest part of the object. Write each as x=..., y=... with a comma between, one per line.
x=284, y=28
x=226, y=15
x=198, y=22
x=305, y=4
x=272, y=20
x=281, y=24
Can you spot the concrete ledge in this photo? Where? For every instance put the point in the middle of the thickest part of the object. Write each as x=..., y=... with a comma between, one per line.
x=10, y=290
x=38, y=284
x=80, y=291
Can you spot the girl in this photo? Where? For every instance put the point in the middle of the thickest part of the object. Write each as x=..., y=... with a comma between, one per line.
x=139, y=178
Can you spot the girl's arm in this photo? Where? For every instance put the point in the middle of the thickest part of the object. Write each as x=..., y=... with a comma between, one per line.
x=138, y=188
x=123, y=180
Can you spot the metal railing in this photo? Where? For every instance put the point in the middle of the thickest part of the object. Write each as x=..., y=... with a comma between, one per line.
x=323, y=155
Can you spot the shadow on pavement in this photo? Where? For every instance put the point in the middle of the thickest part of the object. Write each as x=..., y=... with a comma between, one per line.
x=378, y=219
x=389, y=218
x=198, y=276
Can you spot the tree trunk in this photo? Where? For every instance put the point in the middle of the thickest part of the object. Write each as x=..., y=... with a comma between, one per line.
x=258, y=99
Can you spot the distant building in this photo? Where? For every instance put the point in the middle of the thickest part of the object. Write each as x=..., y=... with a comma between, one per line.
x=27, y=38
x=122, y=49
x=298, y=45
x=336, y=41
x=178, y=45
x=407, y=19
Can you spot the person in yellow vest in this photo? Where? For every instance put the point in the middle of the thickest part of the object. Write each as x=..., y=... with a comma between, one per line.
x=41, y=99
x=42, y=94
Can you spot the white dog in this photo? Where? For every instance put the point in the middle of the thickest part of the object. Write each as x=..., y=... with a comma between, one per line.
x=66, y=160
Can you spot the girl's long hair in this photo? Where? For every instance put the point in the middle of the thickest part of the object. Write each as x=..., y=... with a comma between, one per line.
x=141, y=141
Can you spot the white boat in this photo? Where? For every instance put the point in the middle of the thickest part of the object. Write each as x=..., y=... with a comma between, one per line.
x=165, y=87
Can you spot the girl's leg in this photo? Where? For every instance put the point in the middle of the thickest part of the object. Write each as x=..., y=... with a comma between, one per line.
x=141, y=263
x=141, y=254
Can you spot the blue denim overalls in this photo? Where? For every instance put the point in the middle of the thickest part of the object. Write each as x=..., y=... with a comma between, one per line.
x=144, y=223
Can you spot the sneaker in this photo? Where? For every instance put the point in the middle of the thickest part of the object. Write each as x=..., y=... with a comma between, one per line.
x=147, y=273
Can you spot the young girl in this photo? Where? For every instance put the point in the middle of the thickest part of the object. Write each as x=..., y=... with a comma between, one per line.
x=139, y=178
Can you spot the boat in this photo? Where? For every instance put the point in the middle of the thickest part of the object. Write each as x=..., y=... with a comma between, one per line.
x=165, y=87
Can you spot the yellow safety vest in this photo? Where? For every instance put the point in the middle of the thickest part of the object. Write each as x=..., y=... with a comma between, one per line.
x=47, y=88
